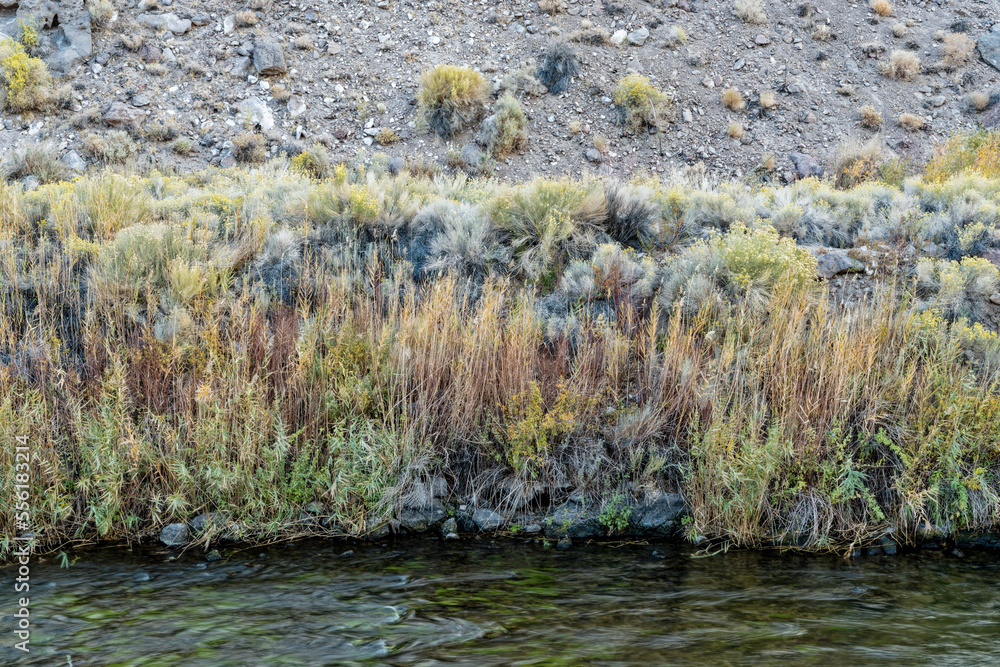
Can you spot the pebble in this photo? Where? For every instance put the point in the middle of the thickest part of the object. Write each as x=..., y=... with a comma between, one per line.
x=739, y=64
x=762, y=40
x=619, y=37
x=638, y=37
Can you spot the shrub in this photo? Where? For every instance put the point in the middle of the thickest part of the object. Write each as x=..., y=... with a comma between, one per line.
x=750, y=11
x=902, y=65
x=182, y=146
x=162, y=130
x=612, y=272
x=454, y=237
x=101, y=12
x=821, y=32
x=25, y=82
x=132, y=42
x=733, y=100
x=870, y=117
x=899, y=30
x=959, y=289
x=977, y=152
x=640, y=104
x=881, y=7
x=27, y=34
x=957, y=49
x=246, y=19
x=978, y=100
x=735, y=130
x=114, y=147
x=552, y=6
x=523, y=80
x=768, y=99
x=450, y=98
x=631, y=214
x=303, y=43
x=248, y=148
x=504, y=132
x=557, y=68
x=856, y=163
x=387, y=137
x=38, y=160
x=675, y=37
x=911, y=122
x=314, y=162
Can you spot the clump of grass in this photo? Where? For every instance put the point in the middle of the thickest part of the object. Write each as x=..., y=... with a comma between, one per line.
x=957, y=49
x=870, y=117
x=162, y=130
x=733, y=100
x=911, y=122
x=641, y=105
x=314, y=161
x=505, y=131
x=246, y=19
x=821, y=32
x=182, y=146
x=113, y=147
x=557, y=68
x=881, y=7
x=768, y=99
x=675, y=37
x=750, y=11
x=38, y=160
x=552, y=7
x=978, y=100
x=899, y=30
x=857, y=162
x=101, y=12
x=902, y=65
x=132, y=41
x=25, y=82
x=303, y=43
x=249, y=148
x=735, y=130
x=450, y=98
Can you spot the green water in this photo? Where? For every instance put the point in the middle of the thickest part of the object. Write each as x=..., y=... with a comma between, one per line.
x=485, y=603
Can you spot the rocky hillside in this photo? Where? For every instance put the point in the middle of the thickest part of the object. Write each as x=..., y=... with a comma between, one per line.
x=186, y=77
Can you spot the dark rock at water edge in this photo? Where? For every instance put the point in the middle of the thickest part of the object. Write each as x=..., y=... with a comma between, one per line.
x=209, y=522
x=487, y=520
x=574, y=519
x=658, y=515
x=175, y=535
x=421, y=519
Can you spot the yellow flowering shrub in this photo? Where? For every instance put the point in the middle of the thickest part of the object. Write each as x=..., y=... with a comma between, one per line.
x=640, y=104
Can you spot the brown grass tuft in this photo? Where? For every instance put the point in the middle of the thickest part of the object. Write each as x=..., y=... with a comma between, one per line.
x=902, y=65
x=870, y=117
x=768, y=99
x=733, y=100
x=735, y=130
x=957, y=49
x=881, y=7
x=911, y=122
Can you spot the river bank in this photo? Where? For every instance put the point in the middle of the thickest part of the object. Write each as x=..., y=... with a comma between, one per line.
x=813, y=364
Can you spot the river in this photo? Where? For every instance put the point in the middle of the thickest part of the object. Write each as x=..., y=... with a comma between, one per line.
x=427, y=603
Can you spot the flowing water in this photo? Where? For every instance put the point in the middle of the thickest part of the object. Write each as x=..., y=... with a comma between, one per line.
x=482, y=603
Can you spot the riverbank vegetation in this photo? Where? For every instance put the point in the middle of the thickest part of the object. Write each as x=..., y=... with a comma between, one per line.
x=256, y=341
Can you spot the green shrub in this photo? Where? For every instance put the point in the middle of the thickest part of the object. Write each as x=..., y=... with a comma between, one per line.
x=505, y=131
x=314, y=162
x=450, y=98
x=640, y=105
x=959, y=289
x=114, y=147
x=38, y=160
x=248, y=148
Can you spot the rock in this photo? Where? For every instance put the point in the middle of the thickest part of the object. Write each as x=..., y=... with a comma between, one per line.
x=806, y=165
x=533, y=528
x=487, y=520
x=990, y=119
x=594, y=155
x=573, y=519
x=619, y=37
x=938, y=101
x=213, y=556
x=118, y=114
x=208, y=521
x=150, y=54
x=296, y=106
x=995, y=298
x=564, y=543
x=74, y=162
x=888, y=546
x=340, y=134
x=64, y=30
x=761, y=40
x=334, y=49
x=396, y=165
x=346, y=554
x=687, y=116
x=175, y=535
x=420, y=519
x=201, y=20
x=836, y=262
x=449, y=526
x=658, y=515
x=228, y=25
x=471, y=155
x=989, y=46
x=254, y=111
x=638, y=37
x=241, y=67
x=269, y=59
x=140, y=100
x=170, y=22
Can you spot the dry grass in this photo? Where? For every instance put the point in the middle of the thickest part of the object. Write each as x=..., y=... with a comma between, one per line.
x=249, y=148
x=246, y=19
x=750, y=11
x=768, y=99
x=303, y=43
x=870, y=117
x=978, y=100
x=450, y=99
x=733, y=100
x=899, y=30
x=821, y=33
x=132, y=42
x=957, y=49
x=902, y=65
x=881, y=7
x=735, y=130
x=552, y=7
x=911, y=122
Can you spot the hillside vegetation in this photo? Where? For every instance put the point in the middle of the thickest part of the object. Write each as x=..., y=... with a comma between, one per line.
x=254, y=341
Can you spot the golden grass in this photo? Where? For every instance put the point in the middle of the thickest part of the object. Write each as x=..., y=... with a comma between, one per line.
x=881, y=7
x=911, y=122
x=733, y=100
x=902, y=65
x=735, y=130
x=870, y=117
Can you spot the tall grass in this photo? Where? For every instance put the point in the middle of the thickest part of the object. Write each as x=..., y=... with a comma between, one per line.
x=257, y=342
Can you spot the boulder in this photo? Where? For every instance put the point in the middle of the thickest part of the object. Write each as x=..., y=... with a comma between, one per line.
x=170, y=22
x=573, y=518
x=988, y=45
x=118, y=114
x=254, y=111
x=658, y=515
x=487, y=520
x=64, y=29
x=638, y=37
x=805, y=165
x=74, y=162
x=269, y=59
x=209, y=522
x=420, y=519
x=175, y=535
x=836, y=262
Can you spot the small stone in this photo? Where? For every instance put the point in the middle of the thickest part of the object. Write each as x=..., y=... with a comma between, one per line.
x=334, y=49
x=761, y=40
x=619, y=37
x=140, y=100
x=296, y=106
x=74, y=162
x=739, y=64
x=150, y=54
x=346, y=554
x=708, y=82
x=938, y=101
x=255, y=112
x=213, y=556
x=594, y=155
x=487, y=520
x=687, y=116
x=564, y=543
x=835, y=263
x=340, y=134
x=170, y=22
x=806, y=165
x=201, y=20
